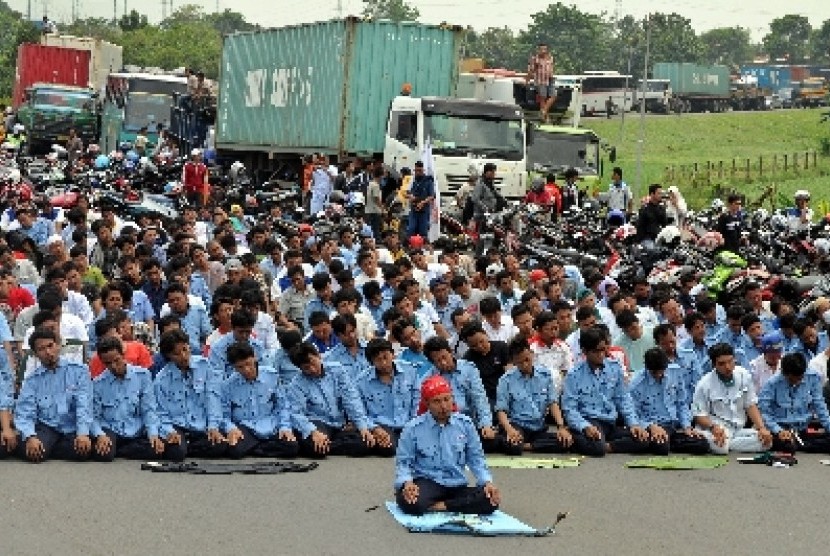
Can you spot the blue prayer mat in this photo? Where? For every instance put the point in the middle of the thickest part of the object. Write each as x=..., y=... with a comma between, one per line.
x=496, y=524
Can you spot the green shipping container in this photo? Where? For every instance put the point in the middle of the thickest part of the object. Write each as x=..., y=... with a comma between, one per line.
x=693, y=79
x=328, y=86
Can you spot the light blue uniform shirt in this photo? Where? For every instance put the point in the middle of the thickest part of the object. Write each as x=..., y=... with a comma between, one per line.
x=391, y=405
x=259, y=405
x=468, y=392
x=61, y=399
x=218, y=356
x=440, y=453
x=445, y=312
x=354, y=365
x=126, y=407
x=191, y=401
x=142, y=308
x=328, y=399
x=599, y=395
x=792, y=407
x=284, y=367
x=5, y=336
x=688, y=369
x=662, y=403
x=197, y=326
x=417, y=359
x=199, y=288
x=38, y=232
x=526, y=399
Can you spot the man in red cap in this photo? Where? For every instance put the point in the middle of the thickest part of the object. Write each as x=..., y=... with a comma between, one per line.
x=433, y=452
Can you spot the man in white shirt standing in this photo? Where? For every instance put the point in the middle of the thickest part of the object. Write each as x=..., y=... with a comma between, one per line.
x=620, y=196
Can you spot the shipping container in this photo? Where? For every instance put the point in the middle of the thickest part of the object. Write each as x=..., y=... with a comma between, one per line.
x=799, y=73
x=772, y=77
x=48, y=64
x=328, y=86
x=105, y=57
x=694, y=79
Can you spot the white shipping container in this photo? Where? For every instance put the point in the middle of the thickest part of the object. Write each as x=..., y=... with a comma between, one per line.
x=105, y=57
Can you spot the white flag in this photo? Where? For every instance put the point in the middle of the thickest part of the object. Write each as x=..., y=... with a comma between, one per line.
x=435, y=213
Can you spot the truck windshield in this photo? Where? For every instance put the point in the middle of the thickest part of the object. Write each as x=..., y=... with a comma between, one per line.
x=559, y=151
x=463, y=135
x=62, y=99
x=143, y=109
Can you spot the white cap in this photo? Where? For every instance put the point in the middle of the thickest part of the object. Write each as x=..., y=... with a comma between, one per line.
x=493, y=269
x=196, y=152
x=697, y=290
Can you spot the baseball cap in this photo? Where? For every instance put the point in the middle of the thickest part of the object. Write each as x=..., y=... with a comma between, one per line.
x=492, y=270
x=437, y=282
x=233, y=264
x=772, y=341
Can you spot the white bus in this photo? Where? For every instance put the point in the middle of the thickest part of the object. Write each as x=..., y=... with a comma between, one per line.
x=657, y=96
x=596, y=88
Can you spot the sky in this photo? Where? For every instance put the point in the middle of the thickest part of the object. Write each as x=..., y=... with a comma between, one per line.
x=704, y=14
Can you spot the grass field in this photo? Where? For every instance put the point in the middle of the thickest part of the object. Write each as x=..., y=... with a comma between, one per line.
x=698, y=138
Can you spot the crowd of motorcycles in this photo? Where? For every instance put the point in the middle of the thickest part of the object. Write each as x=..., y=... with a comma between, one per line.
x=793, y=267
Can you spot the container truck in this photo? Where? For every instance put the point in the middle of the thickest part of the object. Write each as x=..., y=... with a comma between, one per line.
x=51, y=110
x=337, y=88
x=48, y=64
x=104, y=57
x=696, y=88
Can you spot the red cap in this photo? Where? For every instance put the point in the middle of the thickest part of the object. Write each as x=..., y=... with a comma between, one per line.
x=305, y=228
x=416, y=242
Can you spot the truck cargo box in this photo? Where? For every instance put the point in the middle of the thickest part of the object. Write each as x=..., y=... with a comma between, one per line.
x=105, y=57
x=327, y=86
x=48, y=64
x=693, y=79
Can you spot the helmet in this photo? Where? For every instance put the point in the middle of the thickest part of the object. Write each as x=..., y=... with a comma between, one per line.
x=125, y=146
x=717, y=205
x=93, y=149
x=761, y=215
x=802, y=195
x=102, y=162
x=14, y=176
x=615, y=218
x=18, y=128
x=778, y=222
x=337, y=197
x=710, y=240
x=538, y=184
x=196, y=152
x=668, y=236
x=822, y=246
x=357, y=199
x=132, y=156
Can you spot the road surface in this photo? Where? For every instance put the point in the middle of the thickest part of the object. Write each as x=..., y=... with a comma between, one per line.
x=92, y=509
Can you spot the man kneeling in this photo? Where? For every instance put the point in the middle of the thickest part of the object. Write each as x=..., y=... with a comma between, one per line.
x=255, y=411
x=432, y=454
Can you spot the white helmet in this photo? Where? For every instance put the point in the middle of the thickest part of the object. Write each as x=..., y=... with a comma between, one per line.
x=15, y=176
x=802, y=195
x=18, y=128
x=778, y=222
x=717, y=205
x=668, y=236
x=822, y=246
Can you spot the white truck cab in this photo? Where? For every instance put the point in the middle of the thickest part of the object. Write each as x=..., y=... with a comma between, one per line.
x=462, y=133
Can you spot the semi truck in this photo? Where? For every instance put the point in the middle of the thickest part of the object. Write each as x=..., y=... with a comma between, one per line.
x=351, y=87
x=696, y=88
x=50, y=110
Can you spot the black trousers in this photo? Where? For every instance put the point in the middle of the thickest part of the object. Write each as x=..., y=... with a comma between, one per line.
x=394, y=435
x=128, y=448
x=679, y=443
x=194, y=444
x=251, y=445
x=619, y=438
x=541, y=441
x=341, y=443
x=461, y=499
x=814, y=443
x=56, y=445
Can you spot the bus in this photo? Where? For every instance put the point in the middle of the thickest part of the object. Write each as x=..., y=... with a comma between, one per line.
x=136, y=100
x=596, y=88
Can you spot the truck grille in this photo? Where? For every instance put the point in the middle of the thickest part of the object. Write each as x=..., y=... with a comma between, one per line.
x=455, y=181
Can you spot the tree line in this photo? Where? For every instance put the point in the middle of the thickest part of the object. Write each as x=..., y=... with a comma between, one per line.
x=580, y=40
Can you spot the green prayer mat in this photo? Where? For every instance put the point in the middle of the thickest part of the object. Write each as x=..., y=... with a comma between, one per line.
x=517, y=462
x=680, y=462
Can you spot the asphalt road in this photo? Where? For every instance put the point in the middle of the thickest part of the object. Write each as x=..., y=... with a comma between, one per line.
x=92, y=509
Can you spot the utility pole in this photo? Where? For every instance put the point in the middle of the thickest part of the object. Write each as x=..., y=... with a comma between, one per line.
x=217, y=6
x=618, y=10
x=29, y=10
x=339, y=9
x=163, y=10
x=641, y=140
x=125, y=7
x=114, y=12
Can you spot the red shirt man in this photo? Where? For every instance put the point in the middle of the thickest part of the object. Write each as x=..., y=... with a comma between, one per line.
x=195, y=178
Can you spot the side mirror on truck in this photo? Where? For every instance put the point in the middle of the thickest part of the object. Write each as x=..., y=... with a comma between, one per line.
x=529, y=132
